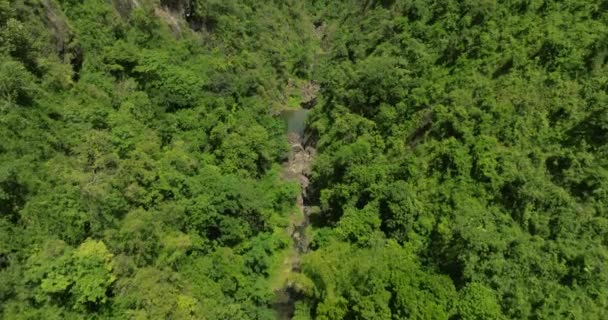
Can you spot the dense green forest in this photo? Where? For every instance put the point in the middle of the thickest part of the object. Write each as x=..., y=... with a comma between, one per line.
x=460, y=159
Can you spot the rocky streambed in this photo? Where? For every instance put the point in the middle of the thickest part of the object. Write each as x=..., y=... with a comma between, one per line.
x=296, y=168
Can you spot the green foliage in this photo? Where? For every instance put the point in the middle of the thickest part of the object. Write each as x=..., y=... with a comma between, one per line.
x=17, y=85
x=461, y=167
x=152, y=293
x=470, y=132
x=80, y=278
x=139, y=171
x=478, y=302
x=382, y=282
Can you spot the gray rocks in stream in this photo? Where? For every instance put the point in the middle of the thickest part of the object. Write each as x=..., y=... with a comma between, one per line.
x=297, y=167
x=299, y=161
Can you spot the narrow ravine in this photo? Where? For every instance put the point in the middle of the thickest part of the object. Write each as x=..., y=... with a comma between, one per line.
x=296, y=168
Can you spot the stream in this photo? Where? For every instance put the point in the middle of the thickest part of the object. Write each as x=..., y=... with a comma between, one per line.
x=297, y=167
x=296, y=120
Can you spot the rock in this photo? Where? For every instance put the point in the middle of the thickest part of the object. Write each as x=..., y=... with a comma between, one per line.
x=294, y=138
x=304, y=182
x=312, y=152
x=296, y=148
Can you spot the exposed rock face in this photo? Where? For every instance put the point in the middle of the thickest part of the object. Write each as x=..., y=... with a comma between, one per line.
x=124, y=7
x=175, y=13
x=309, y=94
x=177, y=5
x=298, y=164
x=308, y=91
x=56, y=21
x=172, y=18
x=66, y=44
x=297, y=168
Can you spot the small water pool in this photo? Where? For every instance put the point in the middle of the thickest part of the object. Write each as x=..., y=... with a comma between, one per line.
x=296, y=120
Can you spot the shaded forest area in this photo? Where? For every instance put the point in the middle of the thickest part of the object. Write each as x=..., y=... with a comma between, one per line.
x=461, y=167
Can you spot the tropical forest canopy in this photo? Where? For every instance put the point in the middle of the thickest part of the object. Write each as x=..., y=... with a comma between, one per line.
x=461, y=167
